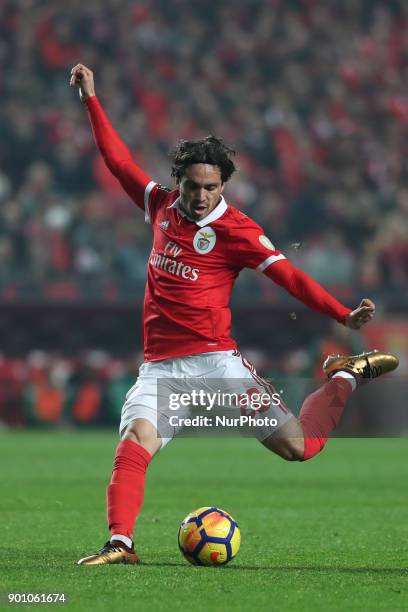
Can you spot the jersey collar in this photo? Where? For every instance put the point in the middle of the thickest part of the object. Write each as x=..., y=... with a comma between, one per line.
x=214, y=215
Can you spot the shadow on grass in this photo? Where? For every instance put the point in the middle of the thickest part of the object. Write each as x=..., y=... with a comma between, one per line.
x=297, y=568
x=35, y=556
x=326, y=569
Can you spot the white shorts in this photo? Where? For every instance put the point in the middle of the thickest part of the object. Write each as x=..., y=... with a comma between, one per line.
x=227, y=371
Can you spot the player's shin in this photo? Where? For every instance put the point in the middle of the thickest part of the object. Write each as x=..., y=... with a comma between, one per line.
x=321, y=413
x=125, y=492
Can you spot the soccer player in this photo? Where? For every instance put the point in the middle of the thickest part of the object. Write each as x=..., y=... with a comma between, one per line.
x=200, y=244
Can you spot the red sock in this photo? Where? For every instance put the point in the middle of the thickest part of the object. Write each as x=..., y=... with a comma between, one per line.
x=321, y=413
x=126, y=490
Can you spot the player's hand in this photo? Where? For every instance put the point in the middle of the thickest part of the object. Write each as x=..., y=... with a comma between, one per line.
x=361, y=315
x=83, y=78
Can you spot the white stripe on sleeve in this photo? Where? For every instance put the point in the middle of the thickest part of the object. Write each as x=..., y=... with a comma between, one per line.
x=148, y=189
x=269, y=261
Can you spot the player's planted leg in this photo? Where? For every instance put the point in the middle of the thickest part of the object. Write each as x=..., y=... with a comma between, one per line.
x=112, y=552
x=301, y=439
x=125, y=492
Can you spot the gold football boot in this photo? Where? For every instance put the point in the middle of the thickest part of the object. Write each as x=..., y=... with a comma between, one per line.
x=112, y=552
x=364, y=367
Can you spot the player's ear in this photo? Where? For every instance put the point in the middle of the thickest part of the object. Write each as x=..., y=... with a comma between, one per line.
x=222, y=187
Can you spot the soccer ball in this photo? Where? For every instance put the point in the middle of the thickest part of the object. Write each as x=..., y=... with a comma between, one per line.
x=209, y=536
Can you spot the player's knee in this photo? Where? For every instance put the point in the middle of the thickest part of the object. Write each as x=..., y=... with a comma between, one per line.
x=293, y=449
x=145, y=434
x=288, y=447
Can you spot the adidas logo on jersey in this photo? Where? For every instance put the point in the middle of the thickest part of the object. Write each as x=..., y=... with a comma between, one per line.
x=164, y=224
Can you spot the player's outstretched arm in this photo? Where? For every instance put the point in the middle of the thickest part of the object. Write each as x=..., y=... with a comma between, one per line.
x=114, y=152
x=307, y=290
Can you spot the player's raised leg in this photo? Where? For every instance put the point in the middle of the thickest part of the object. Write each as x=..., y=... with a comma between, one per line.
x=125, y=493
x=301, y=439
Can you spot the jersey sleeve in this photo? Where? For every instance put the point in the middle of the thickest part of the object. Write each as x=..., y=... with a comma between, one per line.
x=304, y=288
x=138, y=185
x=249, y=247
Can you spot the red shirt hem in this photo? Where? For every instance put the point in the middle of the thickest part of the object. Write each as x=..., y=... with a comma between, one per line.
x=185, y=352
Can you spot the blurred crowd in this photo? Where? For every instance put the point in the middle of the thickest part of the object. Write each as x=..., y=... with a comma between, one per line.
x=48, y=388
x=88, y=388
x=312, y=95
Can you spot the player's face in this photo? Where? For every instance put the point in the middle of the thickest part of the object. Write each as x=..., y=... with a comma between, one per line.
x=200, y=190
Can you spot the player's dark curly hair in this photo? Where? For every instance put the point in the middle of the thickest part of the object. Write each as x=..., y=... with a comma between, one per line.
x=209, y=150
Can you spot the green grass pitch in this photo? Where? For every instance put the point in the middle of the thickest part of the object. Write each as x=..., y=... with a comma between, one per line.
x=329, y=534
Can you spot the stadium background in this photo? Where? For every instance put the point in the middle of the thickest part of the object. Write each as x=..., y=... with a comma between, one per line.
x=314, y=98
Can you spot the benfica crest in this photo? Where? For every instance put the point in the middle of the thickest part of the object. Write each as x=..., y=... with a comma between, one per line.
x=204, y=240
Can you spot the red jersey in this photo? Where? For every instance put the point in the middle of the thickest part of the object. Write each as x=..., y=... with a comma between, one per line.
x=193, y=264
